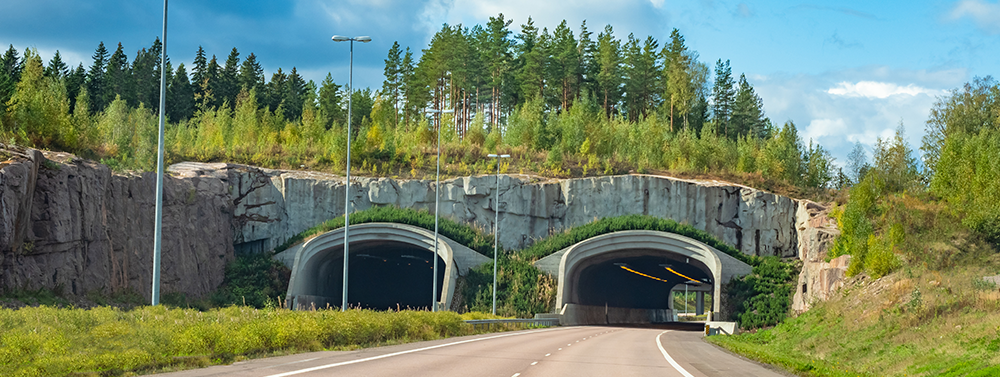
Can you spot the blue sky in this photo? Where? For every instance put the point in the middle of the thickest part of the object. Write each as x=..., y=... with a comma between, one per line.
x=843, y=71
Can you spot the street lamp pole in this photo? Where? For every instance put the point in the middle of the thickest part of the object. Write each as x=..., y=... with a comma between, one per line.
x=158, y=228
x=496, y=229
x=437, y=196
x=347, y=184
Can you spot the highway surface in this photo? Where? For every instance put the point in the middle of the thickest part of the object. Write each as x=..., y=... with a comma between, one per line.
x=559, y=351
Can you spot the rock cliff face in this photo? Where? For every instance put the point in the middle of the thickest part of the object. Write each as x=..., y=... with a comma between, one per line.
x=818, y=278
x=90, y=229
x=273, y=205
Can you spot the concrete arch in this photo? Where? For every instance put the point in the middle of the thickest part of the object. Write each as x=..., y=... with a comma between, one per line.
x=720, y=267
x=303, y=282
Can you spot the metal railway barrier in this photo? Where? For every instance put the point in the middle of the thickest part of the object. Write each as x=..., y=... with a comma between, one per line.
x=517, y=323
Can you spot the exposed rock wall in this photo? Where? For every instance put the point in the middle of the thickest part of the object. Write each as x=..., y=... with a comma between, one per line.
x=818, y=279
x=273, y=205
x=91, y=230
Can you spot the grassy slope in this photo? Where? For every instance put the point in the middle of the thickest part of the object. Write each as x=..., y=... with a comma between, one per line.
x=933, y=316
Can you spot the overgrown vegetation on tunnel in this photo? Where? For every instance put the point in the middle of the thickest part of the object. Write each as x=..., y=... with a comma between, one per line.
x=762, y=298
x=473, y=238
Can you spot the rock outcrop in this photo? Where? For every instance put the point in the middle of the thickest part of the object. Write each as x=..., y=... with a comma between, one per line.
x=818, y=278
x=91, y=229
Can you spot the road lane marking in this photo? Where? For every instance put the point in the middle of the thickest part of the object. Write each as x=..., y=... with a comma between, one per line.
x=534, y=363
x=547, y=355
x=313, y=369
x=670, y=359
x=559, y=349
x=516, y=374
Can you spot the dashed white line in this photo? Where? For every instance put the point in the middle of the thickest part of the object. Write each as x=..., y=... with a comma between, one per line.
x=546, y=355
x=534, y=363
x=670, y=359
x=559, y=349
x=307, y=370
x=516, y=374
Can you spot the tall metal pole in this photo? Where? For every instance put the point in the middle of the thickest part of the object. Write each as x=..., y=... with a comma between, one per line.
x=437, y=196
x=158, y=228
x=347, y=185
x=496, y=237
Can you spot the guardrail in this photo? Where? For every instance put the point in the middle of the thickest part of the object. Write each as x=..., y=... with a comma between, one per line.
x=522, y=323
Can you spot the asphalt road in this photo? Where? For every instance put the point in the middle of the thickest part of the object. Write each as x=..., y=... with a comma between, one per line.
x=560, y=351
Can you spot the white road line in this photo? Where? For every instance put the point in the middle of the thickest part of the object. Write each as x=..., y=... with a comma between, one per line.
x=307, y=370
x=534, y=363
x=547, y=355
x=670, y=359
x=559, y=349
x=516, y=374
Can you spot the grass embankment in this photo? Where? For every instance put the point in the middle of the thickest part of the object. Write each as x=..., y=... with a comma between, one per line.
x=929, y=315
x=47, y=341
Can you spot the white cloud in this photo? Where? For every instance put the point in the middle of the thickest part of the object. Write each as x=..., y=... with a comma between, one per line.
x=985, y=14
x=837, y=109
x=875, y=89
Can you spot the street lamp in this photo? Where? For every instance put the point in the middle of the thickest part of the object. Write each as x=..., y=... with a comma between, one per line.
x=158, y=227
x=347, y=184
x=496, y=229
x=437, y=195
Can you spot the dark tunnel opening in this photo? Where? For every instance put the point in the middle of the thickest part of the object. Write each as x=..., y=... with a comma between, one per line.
x=381, y=275
x=641, y=282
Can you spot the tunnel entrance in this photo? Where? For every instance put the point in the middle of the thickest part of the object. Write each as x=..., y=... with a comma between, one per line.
x=382, y=275
x=638, y=282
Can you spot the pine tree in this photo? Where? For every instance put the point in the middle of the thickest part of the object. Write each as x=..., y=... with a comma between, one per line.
x=410, y=87
x=609, y=74
x=96, y=81
x=679, y=90
x=642, y=83
x=565, y=64
x=533, y=49
x=391, y=85
x=723, y=95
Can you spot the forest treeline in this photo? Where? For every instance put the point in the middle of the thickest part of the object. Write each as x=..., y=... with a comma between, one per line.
x=563, y=102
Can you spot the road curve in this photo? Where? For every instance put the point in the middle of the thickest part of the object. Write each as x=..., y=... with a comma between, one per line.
x=561, y=351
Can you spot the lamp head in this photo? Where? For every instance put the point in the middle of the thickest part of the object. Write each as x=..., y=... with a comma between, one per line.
x=340, y=38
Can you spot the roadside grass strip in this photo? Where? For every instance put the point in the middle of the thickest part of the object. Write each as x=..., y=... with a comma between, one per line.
x=47, y=341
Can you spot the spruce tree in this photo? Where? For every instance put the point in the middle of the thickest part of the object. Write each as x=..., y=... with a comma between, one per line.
x=330, y=101
x=565, y=65
x=10, y=74
x=275, y=95
x=251, y=76
x=210, y=84
x=56, y=68
x=75, y=82
x=295, y=89
x=118, y=76
x=748, y=113
x=679, y=91
x=96, y=81
x=533, y=57
x=199, y=73
x=180, y=96
x=228, y=80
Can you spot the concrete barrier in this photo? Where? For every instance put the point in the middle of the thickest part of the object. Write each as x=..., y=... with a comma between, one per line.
x=576, y=314
x=721, y=328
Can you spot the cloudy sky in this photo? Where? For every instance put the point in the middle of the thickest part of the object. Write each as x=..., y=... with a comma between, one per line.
x=843, y=71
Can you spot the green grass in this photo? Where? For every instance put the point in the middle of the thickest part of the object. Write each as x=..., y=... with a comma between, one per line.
x=48, y=341
x=475, y=239
x=932, y=316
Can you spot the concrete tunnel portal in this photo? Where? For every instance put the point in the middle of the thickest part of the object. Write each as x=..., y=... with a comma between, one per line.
x=383, y=275
x=390, y=267
x=636, y=278
x=627, y=276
